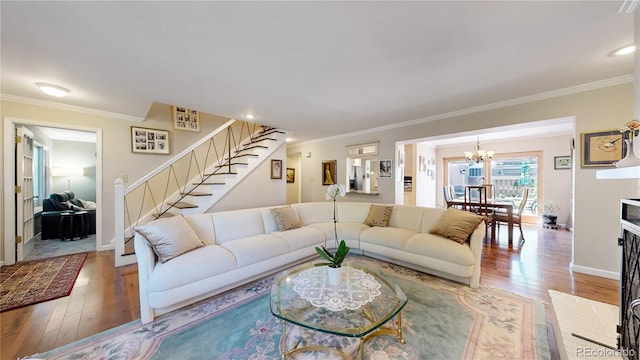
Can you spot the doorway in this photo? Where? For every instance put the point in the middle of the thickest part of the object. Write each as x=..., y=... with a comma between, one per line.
x=47, y=182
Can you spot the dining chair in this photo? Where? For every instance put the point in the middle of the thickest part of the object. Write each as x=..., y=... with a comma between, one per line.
x=480, y=205
x=501, y=216
x=448, y=196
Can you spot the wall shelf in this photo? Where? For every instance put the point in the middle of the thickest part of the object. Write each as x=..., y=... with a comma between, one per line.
x=632, y=172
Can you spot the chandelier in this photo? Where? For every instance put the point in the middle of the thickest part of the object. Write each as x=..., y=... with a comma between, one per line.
x=478, y=155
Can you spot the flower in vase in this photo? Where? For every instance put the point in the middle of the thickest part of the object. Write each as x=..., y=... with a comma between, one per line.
x=334, y=190
x=630, y=129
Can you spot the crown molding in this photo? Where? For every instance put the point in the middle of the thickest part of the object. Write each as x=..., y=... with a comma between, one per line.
x=624, y=79
x=67, y=107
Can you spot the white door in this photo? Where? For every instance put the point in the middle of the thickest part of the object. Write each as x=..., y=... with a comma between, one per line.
x=24, y=190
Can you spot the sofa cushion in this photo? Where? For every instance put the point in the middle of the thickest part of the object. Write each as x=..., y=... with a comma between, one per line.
x=253, y=249
x=169, y=237
x=237, y=224
x=346, y=230
x=301, y=237
x=312, y=213
x=386, y=236
x=406, y=217
x=436, y=246
x=285, y=218
x=378, y=215
x=202, y=225
x=191, y=267
x=456, y=225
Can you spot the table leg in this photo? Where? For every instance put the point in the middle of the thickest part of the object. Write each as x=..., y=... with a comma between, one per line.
x=510, y=217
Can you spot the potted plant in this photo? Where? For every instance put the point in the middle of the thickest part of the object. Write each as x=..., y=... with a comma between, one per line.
x=549, y=208
x=334, y=261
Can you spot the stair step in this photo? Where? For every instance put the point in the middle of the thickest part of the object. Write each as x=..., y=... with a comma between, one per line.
x=261, y=138
x=271, y=131
x=232, y=164
x=210, y=183
x=243, y=155
x=222, y=173
x=163, y=216
x=196, y=193
x=183, y=205
x=250, y=147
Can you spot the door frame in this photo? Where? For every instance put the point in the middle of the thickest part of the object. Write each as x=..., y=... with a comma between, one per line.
x=9, y=176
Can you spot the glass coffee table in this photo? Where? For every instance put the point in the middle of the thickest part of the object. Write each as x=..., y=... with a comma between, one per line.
x=360, y=306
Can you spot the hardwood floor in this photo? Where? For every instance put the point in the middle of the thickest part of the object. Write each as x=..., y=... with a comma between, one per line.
x=105, y=297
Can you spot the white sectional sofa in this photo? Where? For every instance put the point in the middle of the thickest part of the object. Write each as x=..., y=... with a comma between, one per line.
x=235, y=247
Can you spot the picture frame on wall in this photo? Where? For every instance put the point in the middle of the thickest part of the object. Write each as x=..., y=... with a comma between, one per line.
x=291, y=175
x=329, y=172
x=386, y=168
x=185, y=119
x=276, y=169
x=602, y=148
x=562, y=162
x=149, y=141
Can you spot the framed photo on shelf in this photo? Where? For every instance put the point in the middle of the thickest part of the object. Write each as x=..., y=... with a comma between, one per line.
x=386, y=170
x=276, y=169
x=149, y=141
x=601, y=149
x=185, y=119
x=291, y=175
x=329, y=172
x=562, y=162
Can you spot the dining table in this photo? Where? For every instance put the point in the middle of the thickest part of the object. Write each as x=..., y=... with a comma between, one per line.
x=494, y=204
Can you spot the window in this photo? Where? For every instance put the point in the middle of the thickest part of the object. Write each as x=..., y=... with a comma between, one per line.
x=39, y=178
x=508, y=173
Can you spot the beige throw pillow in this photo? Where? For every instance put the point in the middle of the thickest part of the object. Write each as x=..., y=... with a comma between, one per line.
x=286, y=218
x=456, y=225
x=169, y=237
x=378, y=215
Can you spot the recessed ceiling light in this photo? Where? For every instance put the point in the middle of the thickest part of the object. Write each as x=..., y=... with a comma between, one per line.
x=250, y=116
x=53, y=90
x=629, y=49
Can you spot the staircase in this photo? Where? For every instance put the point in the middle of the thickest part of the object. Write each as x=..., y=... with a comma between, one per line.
x=192, y=181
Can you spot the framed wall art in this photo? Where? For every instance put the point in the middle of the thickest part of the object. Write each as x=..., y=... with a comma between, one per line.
x=149, y=141
x=329, y=172
x=291, y=175
x=386, y=171
x=276, y=169
x=601, y=149
x=562, y=162
x=185, y=119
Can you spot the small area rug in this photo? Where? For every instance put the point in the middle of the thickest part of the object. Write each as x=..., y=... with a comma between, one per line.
x=442, y=320
x=35, y=281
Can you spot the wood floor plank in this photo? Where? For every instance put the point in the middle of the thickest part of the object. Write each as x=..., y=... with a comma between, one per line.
x=105, y=296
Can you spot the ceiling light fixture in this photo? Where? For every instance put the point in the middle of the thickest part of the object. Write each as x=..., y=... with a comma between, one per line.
x=53, y=90
x=478, y=155
x=250, y=116
x=626, y=50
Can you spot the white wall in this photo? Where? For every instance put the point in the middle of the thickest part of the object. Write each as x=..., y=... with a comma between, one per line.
x=257, y=189
x=425, y=182
x=596, y=220
x=77, y=155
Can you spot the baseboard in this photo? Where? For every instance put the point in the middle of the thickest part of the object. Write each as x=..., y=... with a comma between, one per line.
x=593, y=271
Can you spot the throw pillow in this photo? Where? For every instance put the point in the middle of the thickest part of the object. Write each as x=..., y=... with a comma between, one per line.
x=169, y=237
x=457, y=225
x=378, y=215
x=286, y=218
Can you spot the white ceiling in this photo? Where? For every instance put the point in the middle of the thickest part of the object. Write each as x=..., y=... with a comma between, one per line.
x=315, y=68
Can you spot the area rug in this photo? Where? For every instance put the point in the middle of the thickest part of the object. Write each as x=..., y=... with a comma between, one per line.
x=31, y=282
x=442, y=320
